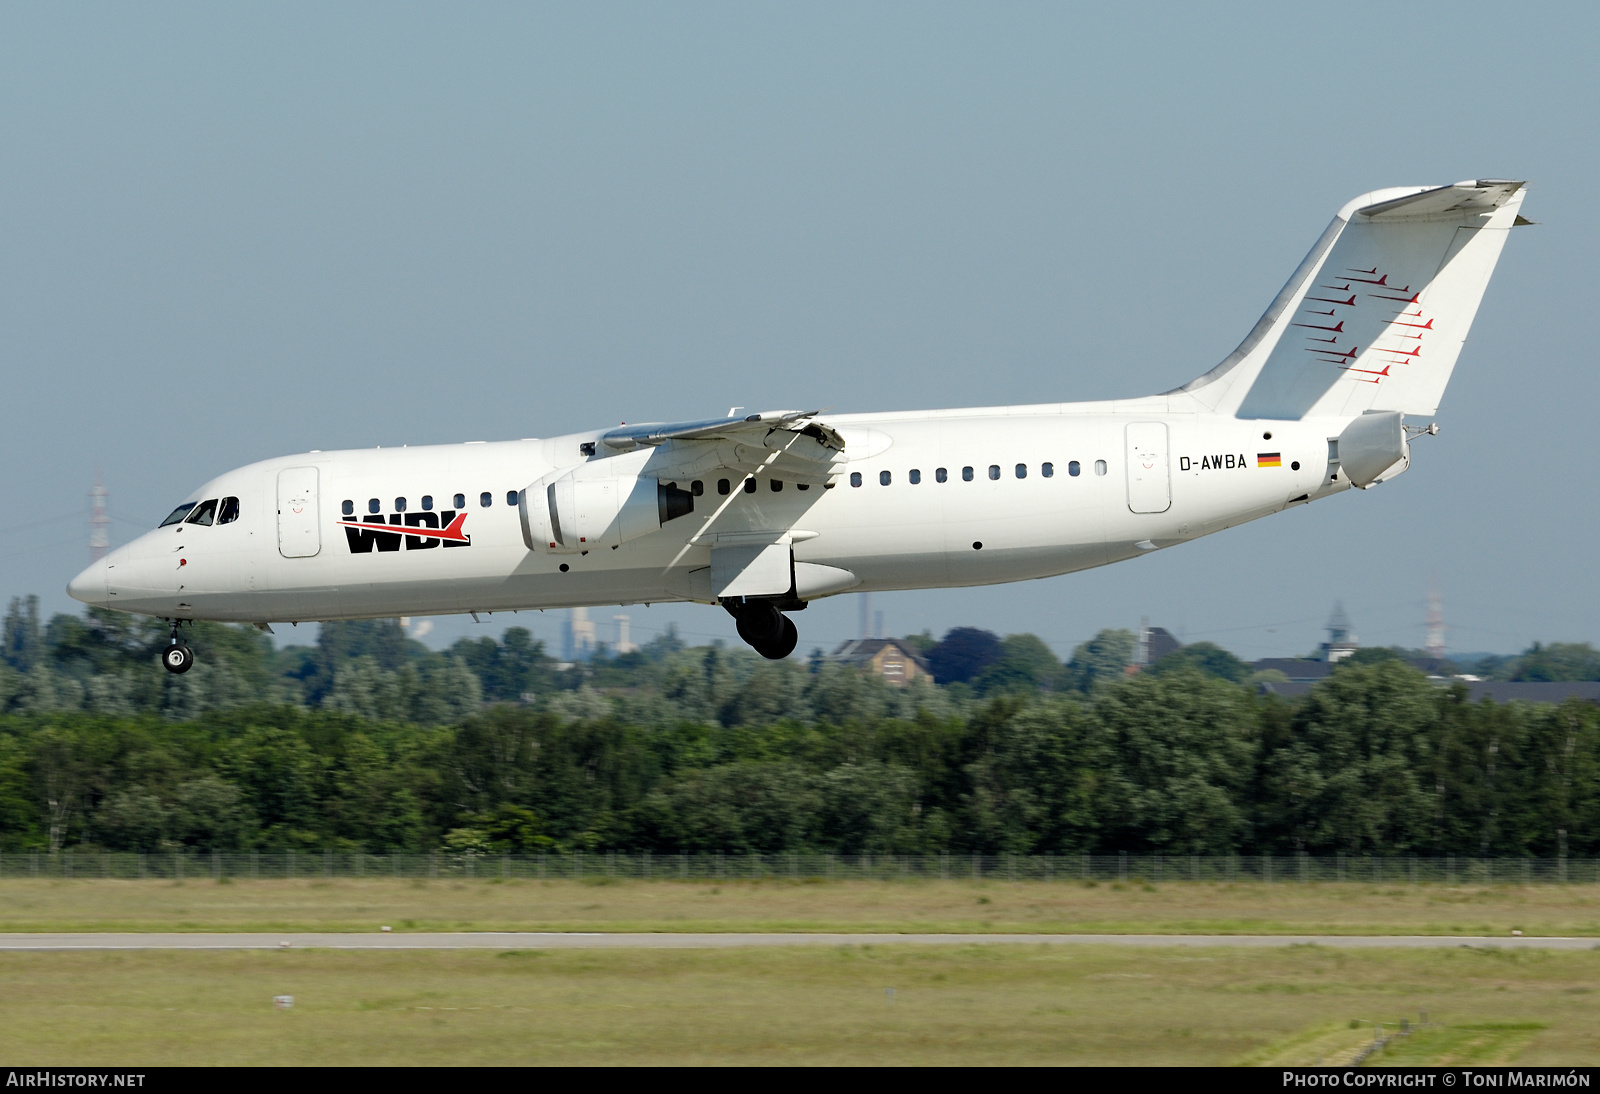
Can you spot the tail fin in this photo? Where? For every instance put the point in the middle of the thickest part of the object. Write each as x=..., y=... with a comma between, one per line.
x=1375, y=316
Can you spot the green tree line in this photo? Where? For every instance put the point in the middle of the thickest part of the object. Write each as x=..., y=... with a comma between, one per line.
x=368, y=741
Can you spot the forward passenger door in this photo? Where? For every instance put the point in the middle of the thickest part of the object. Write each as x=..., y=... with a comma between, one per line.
x=299, y=531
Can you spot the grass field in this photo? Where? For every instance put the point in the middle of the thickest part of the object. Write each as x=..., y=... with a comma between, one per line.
x=979, y=1004
x=942, y=906
x=1021, y=1003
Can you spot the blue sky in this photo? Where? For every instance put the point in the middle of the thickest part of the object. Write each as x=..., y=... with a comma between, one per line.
x=236, y=231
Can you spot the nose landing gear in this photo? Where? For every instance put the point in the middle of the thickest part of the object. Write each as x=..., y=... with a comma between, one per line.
x=767, y=630
x=177, y=657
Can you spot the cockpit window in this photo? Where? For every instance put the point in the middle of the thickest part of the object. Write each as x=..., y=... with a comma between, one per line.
x=204, y=513
x=179, y=513
x=228, y=511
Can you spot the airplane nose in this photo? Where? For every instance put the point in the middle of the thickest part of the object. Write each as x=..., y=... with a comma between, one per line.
x=90, y=586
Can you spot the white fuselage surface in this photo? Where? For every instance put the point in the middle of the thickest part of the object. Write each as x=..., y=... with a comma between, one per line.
x=968, y=497
x=780, y=508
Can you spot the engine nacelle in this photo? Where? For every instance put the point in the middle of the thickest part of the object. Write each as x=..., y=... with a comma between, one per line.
x=602, y=503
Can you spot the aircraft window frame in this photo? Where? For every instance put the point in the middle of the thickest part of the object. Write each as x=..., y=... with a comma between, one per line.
x=1047, y=470
x=941, y=475
x=994, y=472
x=855, y=478
x=885, y=478
x=802, y=486
x=1074, y=468
x=460, y=501
x=724, y=487
x=427, y=503
x=915, y=475
x=1022, y=470
x=399, y=505
x=177, y=515
x=347, y=507
x=749, y=484
x=513, y=497
x=1100, y=467
x=966, y=474
x=374, y=506
x=485, y=499
x=698, y=488
x=203, y=515
x=228, y=510
x=777, y=485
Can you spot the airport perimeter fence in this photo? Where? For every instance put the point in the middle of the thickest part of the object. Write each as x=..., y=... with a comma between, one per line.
x=687, y=866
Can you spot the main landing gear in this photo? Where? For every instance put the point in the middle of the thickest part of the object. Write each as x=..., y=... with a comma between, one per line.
x=177, y=657
x=768, y=631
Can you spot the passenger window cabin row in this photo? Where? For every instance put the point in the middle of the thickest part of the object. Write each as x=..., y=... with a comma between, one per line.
x=697, y=488
x=725, y=486
x=942, y=474
x=459, y=501
x=885, y=478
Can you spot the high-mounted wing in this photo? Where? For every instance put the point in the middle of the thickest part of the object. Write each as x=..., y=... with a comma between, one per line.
x=786, y=444
x=628, y=437
x=630, y=486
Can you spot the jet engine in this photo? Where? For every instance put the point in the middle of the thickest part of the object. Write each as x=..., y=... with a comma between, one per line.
x=602, y=503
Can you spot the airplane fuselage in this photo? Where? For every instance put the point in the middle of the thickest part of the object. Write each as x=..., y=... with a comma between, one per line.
x=766, y=512
x=946, y=498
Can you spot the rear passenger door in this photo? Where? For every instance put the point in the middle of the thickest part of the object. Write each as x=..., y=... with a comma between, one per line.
x=1149, y=478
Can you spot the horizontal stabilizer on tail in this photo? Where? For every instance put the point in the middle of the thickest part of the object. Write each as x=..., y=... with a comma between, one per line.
x=1482, y=196
x=1376, y=315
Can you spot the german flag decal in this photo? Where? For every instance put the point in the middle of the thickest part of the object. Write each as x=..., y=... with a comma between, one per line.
x=1269, y=459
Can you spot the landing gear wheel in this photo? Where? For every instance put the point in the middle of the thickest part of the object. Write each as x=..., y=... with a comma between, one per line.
x=759, y=625
x=177, y=658
x=768, y=631
x=782, y=646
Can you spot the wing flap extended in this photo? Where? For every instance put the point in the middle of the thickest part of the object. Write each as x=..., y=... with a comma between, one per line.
x=752, y=569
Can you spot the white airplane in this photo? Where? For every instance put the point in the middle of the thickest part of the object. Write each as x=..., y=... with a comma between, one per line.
x=763, y=513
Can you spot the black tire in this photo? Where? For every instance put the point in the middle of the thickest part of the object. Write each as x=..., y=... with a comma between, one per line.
x=177, y=658
x=785, y=643
x=760, y=625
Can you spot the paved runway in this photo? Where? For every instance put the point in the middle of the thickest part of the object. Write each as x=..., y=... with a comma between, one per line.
x=531, y=940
